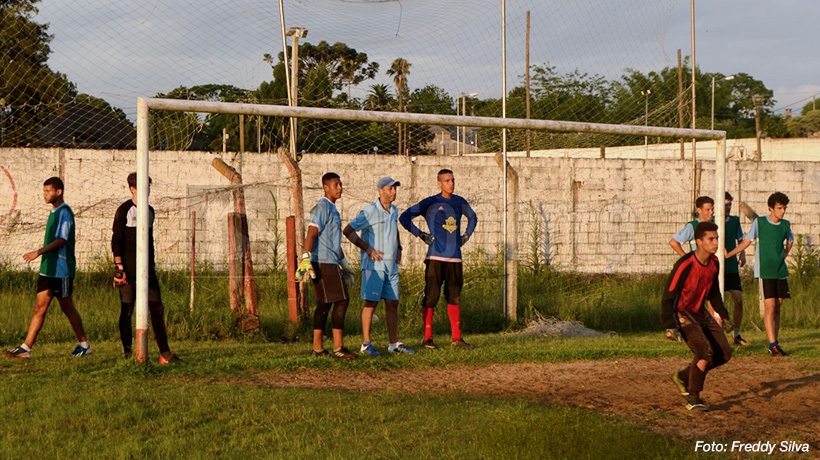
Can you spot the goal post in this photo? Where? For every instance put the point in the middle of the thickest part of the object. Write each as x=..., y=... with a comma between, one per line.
x=144, y=105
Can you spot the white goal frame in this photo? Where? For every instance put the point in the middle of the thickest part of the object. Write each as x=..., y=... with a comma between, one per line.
x=145, y=104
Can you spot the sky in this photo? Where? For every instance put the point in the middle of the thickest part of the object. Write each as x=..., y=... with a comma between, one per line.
x=119, y=50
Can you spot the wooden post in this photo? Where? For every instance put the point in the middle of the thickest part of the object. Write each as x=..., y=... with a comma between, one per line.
x=236, y=263
x=241, y=141
x=680, y=102
x=511, y=262
x=193, y=255
x=293, y=292
x=299, y=224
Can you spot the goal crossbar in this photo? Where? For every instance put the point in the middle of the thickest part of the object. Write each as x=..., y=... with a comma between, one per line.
x=144, y=104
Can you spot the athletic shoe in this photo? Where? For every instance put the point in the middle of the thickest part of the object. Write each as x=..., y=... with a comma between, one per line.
x=681, y=386
x=776, y=351
x=80, y=351
x=172, y=359
x=368, y=349
x=738, y=340
x=429, y=344
x=343, y=354
x=696, y=404
x=127, y=353
x=399, y=349
x=460, y=343
x=18, y=353
x=319, y=354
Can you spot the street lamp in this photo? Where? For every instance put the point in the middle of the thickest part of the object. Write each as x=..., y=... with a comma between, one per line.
x=646, y=94
x=463, y=129
x=727, y=77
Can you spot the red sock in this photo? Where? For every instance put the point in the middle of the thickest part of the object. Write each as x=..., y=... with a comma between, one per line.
x=427, y=317
x=454, y=312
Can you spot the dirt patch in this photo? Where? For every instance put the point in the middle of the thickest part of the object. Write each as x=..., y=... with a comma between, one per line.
x=752, y=399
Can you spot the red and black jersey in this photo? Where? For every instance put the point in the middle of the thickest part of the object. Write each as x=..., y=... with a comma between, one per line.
x=689, y=285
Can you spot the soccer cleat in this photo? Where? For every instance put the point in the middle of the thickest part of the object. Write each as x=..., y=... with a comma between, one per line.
x=681, y=386
x=776, y=351
x=429, y=344
x=400, y=348
x=80, y=351
x=17, y=353
x=738, y=340
x=368, y=349
x=319, y=354
x=695, y=403
x=343, y=354
x=172, y=359
x=460, y=343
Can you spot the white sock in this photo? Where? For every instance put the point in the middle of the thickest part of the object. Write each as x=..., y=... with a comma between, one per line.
x=25, y=347
x=84, y=344
x=394, y=345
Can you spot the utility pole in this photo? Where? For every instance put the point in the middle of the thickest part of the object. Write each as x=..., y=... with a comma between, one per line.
x=758, y=100
x=680, y=103
x=529, y=132
x=694, y=113
x=295, y=33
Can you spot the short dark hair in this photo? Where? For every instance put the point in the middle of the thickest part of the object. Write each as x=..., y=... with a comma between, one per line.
x=729, y=197
x=132, y=180
x=329, y=177
x=55, y=182
x=702, y=200
x=443, y=172
x=704, y=227
x=778, y=197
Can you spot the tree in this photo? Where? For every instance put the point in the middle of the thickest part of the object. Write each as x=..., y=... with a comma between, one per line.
x=399, y=70
x=430, y=99
x=379, y=98
x=29, y=90
x=806, y=125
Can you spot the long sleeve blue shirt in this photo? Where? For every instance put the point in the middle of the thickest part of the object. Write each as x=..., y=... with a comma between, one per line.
x=443, y=218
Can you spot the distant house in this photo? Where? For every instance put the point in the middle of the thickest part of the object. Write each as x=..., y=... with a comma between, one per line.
x=77, y=124
x=445, y=142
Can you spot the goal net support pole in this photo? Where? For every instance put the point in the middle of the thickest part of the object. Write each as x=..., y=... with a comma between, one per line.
x=144, y=104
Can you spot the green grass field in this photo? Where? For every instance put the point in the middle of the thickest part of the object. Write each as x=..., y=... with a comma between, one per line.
x=108, y=407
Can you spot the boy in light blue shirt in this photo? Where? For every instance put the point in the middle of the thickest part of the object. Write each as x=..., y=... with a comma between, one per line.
x=381, y=255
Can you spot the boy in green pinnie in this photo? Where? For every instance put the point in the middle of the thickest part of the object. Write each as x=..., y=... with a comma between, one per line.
x=774, y=241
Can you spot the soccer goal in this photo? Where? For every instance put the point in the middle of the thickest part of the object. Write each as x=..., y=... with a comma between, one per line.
x=144, y=105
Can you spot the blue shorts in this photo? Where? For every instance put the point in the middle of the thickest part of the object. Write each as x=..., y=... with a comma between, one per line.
x=377, y=285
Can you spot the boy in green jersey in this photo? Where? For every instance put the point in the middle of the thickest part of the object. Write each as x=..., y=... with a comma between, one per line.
x=57, y=270
x=774, y=241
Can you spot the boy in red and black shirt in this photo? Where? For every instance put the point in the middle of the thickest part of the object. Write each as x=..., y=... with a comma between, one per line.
x=693, y=281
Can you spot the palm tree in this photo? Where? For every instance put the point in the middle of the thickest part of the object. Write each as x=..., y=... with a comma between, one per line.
x=399, y=70
x=378, y=98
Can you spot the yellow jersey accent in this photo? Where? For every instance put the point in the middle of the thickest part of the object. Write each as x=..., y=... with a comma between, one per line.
x=450, y=224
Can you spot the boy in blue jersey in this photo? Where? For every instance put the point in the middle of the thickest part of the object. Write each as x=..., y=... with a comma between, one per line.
x=325, y=263
x=57, y=270
x=443, y=213
x=381, y=256
x=774, y=241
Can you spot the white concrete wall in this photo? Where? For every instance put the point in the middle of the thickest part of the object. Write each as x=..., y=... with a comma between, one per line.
x=602, y=215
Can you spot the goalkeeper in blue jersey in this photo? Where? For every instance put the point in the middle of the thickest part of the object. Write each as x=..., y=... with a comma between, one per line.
x=325, y=263
x=443, y=264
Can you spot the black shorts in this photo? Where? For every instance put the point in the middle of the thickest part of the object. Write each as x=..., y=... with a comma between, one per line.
x=436, y=273
x=731, y=282
x=773, y=289
x=328, y=286
x=57, y=287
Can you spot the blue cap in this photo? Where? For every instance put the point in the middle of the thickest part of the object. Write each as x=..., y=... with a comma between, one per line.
x=387, y=182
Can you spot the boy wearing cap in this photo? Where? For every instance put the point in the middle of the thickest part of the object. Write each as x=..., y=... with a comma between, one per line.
x=443, y=264
x=325, y=263
x=381, y=255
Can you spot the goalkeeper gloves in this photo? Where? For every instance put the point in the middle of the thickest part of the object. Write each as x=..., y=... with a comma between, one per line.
x=348, y=275
x=463, y=240
x=427, y=238
x=674, y=335
x=305, y=269
x=120, y=279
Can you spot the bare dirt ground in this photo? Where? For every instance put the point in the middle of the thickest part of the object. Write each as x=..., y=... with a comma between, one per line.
x=752, y=399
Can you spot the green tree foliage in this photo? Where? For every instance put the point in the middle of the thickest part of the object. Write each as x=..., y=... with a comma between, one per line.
x=29, y=90
x=806, y=125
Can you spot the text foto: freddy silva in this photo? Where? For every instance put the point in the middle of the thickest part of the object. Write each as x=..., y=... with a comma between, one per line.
x=760, y=446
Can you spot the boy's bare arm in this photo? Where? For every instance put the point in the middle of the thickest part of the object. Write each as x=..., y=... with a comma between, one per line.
x=677, y=247
x=53, y=246
x=740, y=247
x=789, y=245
